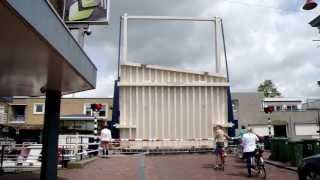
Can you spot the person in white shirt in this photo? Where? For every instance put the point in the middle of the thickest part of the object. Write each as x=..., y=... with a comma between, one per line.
x=105, y=138
x=249, y=144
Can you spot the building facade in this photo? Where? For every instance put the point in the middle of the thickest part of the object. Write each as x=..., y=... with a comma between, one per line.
x=25, y=115
x=291, y=117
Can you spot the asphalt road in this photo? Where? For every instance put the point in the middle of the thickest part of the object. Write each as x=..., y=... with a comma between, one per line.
x=162, y=167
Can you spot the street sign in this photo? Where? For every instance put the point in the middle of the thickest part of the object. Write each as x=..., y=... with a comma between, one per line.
x=86, y=12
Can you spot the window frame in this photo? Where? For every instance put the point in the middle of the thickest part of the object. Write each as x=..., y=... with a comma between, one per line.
x=35, y=108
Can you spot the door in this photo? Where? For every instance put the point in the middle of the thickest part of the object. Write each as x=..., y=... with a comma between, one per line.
x=280, y=130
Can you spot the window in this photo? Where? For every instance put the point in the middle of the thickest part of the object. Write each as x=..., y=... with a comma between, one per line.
x=17, y=113
x=278, y=108
x=235, y=105
x=87, y=110
x=102, y=112
x=38, y=108
x=294, y=108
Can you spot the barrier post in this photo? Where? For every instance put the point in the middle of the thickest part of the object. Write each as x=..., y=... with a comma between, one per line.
x=81, y=148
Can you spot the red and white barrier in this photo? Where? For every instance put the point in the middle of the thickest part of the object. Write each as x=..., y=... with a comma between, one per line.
x=154, y=140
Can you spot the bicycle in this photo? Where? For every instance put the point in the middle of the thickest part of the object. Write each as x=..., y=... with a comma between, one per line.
x=220, y=155
x=257, y=163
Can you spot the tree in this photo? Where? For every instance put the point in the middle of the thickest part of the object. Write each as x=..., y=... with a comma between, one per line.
x=268, y=89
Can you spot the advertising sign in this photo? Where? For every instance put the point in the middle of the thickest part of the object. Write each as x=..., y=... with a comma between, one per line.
x=86, y=11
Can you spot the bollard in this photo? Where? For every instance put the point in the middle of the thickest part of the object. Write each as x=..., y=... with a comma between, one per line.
x=81, y=148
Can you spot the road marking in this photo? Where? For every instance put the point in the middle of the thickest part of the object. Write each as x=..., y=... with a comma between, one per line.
x=142, y=167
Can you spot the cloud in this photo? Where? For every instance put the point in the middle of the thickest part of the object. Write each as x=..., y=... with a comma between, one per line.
x=265, y=40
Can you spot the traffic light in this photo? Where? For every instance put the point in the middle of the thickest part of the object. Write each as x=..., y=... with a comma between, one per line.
x=96, y=107
x=268, y=109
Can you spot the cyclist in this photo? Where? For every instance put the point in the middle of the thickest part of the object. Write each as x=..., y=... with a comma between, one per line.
x=249, y=143
x=220, y=138
x=242, y=131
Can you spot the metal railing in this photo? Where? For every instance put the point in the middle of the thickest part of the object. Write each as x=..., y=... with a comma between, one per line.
x=12, y=160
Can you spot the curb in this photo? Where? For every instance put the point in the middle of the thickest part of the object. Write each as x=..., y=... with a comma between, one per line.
x=80, y=164
x=280, y=166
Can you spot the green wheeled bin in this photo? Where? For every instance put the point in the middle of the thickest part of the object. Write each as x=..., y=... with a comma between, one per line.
x=310, y=147
x=274, y=149
x=295, y=152
x=283, y=149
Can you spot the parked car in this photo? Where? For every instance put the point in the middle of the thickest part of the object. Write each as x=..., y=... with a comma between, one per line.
x=309, y=169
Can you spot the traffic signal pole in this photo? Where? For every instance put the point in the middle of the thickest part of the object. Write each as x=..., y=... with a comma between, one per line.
x=95, y=131
x=269, y=124
x=268, y=110
x=96, y=109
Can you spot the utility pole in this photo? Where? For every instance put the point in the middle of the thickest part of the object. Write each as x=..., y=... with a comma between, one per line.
x=95, y=109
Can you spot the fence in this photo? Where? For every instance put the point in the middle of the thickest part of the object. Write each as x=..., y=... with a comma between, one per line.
x=27, y=157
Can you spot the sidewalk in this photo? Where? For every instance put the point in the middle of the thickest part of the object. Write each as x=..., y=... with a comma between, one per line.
x=281, y=165
x=278, y=163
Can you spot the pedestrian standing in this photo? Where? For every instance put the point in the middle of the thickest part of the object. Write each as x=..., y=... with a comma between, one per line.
x=105, y=138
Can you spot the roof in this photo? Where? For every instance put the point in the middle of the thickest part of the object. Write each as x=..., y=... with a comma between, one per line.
x=6, y=99
x=38, y=51
x=284, y=99
x=79, y=117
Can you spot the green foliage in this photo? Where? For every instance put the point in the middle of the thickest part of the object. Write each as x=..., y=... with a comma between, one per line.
x=268, y=89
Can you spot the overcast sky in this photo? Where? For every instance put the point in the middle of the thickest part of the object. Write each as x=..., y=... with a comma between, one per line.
x=265, y=39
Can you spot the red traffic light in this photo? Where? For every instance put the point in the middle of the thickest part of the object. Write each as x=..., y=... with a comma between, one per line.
x=96, y=107
x=268, y=109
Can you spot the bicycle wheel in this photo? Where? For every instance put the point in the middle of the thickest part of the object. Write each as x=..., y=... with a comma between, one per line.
x=262, y=172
